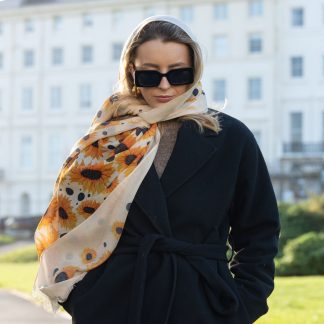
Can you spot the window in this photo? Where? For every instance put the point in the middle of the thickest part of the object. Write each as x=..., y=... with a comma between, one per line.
x=57, y=22
x=117, y=17
x=29, y=25
x=186, y=13
x=1, y=61
x=25, y=205
x=254, y=89
x=87, y=20
x=221, y=11
x=255, y=8
x=54, y=158
x=85, y=96
x=296, y=127
x=116, y=51
x=297, y=67
x=26, y=152
x=57, y=56
x=28, y=58
x=297, y=17
x=219, y=90
x=27, y=99
x=56, y=98
x=255, y=43
x=87, y=54
x=220, y=46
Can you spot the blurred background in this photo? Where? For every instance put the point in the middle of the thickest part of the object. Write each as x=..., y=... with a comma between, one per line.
x=59, y=62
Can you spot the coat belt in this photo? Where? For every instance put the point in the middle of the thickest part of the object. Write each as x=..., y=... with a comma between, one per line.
x=195, y=254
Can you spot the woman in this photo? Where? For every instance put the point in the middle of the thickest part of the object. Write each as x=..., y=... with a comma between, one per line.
x=137, y=228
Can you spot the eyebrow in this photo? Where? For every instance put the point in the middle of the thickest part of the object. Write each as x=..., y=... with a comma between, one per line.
x=157, y=66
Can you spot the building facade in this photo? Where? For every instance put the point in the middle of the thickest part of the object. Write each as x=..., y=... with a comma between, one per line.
x=59, y=61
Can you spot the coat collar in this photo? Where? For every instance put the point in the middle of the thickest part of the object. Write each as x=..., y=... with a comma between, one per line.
x=191, y=151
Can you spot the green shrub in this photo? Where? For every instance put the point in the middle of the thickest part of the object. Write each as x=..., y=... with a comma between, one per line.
x=299, y=219
x=20, y=255
x=6, y=239
x=303, y=255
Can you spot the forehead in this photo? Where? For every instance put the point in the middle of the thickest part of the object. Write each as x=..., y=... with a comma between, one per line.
x=162, y=53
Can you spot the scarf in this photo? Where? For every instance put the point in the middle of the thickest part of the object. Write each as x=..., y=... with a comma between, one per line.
x=96, y=186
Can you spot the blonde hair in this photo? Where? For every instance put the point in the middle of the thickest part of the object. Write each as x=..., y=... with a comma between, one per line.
x=166, y=32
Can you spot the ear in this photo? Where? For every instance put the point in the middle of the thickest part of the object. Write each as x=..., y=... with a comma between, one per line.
x=131, y=70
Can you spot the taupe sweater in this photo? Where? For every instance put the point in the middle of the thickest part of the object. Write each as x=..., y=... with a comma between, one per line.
x=169, y=131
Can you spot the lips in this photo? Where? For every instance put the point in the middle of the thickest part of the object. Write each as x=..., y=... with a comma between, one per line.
x=163, y=98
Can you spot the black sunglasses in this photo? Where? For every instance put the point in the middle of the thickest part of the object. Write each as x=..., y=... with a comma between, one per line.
x=152, y=78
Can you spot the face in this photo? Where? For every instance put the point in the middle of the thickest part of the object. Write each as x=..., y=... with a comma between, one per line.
x=163, y=57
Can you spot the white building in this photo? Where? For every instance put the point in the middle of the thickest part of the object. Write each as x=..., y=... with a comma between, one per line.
x=59, y=60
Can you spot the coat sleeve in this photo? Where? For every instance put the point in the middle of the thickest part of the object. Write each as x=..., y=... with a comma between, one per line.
x=254, y=230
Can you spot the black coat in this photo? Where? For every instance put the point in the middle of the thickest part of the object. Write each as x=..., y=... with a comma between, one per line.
x=170, y=264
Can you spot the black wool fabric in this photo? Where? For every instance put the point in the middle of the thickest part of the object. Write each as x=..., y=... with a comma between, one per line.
x=170, y=264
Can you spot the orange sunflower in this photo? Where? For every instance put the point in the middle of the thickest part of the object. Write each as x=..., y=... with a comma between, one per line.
x=149, y=134
x=128, y=160
x=50, y=213
x=103, y=258
x=94, y=149
x=117, y=228
x=44, y=237
x=88, y=255
x=66, y=273
x=67, y=219
x=87, y=208
x=92, y=178
x=112, y=186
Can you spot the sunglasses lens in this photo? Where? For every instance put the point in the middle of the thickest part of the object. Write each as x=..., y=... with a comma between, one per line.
x=147, y=78
x=181, y=76
x=153, y=78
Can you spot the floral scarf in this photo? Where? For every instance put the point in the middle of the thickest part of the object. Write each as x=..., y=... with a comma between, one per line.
x=94, y=190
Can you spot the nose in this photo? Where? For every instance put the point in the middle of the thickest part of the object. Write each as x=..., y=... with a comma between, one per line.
x=164, y=84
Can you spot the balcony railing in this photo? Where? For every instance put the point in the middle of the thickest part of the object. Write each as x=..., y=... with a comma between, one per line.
x=300, y=147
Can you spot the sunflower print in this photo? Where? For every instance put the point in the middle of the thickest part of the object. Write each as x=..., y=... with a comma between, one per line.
x=44, y=237
x=128, y=159
x=67, y=219
x=149, y=133
x=112, y=185
x=88, y=255
x=50, y=213
x=87, y=208
x=117, y=228
x=98, y=164
x=102, y=259
x=94, y=150
x=93, y=178
x=66, y=273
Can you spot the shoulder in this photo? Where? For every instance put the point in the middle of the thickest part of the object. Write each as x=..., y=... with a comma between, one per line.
x=232, y=127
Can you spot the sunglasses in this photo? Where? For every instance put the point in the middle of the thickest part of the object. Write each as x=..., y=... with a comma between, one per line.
x=152, y=78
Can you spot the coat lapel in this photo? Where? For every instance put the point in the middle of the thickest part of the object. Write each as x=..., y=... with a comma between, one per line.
x=151, y=199
x=191, y=151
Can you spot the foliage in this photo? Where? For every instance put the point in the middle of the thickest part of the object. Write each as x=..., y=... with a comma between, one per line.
x=20, y=255
x=303, y=255
x=298, y=219
x=6, y=239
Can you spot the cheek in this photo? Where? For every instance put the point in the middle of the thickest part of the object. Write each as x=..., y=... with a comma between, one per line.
x=146, y=92
x=182, y=89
